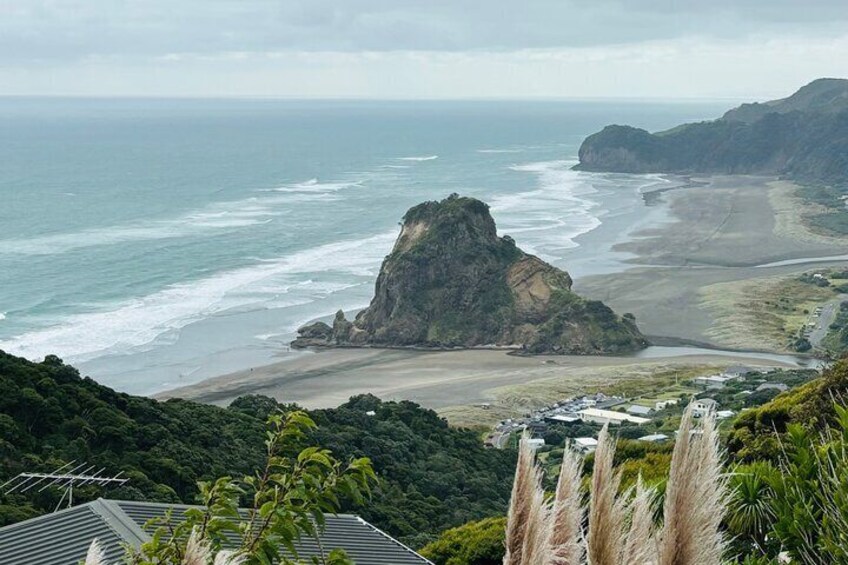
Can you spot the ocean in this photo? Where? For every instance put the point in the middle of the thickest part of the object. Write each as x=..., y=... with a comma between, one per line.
x=154, y=243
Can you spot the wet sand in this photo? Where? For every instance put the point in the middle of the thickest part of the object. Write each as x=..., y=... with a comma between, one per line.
x=729, y=229
x=434, y=379
x=724, y=229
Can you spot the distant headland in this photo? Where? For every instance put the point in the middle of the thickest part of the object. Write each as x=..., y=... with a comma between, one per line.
x=803, y=137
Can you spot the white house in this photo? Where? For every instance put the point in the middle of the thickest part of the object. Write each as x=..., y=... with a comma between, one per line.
x=584, y=445
x=724, y=414
x=663, y=404
x=536, y=443
x=703, y=406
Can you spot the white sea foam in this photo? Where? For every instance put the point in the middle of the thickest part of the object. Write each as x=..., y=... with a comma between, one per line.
x=424, y=158
x=216, y=216
x=2, y=315
x=133, y=324
x=227, y=215
x=550, y=217
x=314, y=186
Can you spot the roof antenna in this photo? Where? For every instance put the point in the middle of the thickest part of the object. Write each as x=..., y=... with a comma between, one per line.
x=67, y=477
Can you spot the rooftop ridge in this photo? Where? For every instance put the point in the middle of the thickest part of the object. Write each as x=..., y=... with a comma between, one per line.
x=115, y=517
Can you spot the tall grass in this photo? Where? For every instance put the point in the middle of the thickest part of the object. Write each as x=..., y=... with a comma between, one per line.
x=619, y=528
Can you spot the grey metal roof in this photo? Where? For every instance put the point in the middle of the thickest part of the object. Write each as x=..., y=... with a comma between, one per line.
x=62, y=538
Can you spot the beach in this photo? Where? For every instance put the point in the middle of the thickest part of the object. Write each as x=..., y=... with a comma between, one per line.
x=728, y=230
x=720, y=230
x=443, y=380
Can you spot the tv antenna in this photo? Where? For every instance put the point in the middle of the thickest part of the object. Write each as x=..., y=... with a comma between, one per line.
x=67, y=477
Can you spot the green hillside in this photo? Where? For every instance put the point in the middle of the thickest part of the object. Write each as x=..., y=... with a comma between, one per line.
x=432, y=477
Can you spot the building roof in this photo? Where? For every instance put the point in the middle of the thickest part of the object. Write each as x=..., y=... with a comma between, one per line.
x=585, y=442
x=775, y=386
x=611, y=416
x=563, y=418
x=654, y=438
x=707, y=401
x=642, y=410
x=62, y=538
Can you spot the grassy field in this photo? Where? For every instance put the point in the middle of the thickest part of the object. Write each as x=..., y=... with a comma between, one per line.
x=764, y=313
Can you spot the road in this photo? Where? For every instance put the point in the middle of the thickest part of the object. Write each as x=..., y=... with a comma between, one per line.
x=828, y=314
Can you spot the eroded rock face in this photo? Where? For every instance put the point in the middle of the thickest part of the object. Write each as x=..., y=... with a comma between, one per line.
x=450, y=281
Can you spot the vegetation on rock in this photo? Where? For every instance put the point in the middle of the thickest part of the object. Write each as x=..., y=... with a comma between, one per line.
x=450, y=281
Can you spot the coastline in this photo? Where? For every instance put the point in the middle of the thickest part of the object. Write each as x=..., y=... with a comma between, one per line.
x=720, y=229
x=434, y=379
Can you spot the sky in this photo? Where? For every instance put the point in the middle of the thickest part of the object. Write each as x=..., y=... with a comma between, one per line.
x=663, y=49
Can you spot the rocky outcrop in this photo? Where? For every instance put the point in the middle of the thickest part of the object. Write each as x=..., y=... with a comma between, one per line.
x=804, y=136
x=451, y=281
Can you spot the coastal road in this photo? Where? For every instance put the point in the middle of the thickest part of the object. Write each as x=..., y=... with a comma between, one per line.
x=827, y=316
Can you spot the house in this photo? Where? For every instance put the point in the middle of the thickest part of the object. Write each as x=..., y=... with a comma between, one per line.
x=537, y=427
x=724, y=414
x=598, y=416
x=584, y=445
x=637, y=410
x=63, y=538
x=536, y=443
x=711, y=382
x=568, y=418
x=654, y=438
x=773, y=386
x=703, y=406
x=736, y=371
x=663, y=404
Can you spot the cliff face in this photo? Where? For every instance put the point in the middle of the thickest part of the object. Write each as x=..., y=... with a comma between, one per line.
x=804, y=136
x=450, y=281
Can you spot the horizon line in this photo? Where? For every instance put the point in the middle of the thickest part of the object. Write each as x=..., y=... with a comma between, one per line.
x=299, y=98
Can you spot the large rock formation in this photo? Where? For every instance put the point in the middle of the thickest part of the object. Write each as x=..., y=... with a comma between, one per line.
x=804, y=136
x=450, y=281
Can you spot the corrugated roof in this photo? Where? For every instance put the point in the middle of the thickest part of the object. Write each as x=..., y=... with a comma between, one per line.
x=62, y=538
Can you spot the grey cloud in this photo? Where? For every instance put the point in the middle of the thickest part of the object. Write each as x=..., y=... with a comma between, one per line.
x=52, y=31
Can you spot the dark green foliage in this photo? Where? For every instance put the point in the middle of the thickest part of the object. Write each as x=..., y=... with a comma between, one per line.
x=433, y=477
x=286, y=500
x=813, y=280
x=836, y=340
x=802, y=344
x=755, y=432
x=49, y=416
x=475, y=543
x=799, y=504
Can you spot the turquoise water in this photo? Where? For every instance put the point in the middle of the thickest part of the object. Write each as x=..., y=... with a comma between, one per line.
x=157, y=242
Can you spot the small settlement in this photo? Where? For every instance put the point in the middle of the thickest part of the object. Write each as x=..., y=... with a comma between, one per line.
x=576, y=421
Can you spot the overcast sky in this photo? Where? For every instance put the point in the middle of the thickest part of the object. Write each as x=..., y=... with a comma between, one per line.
x=738, y=49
